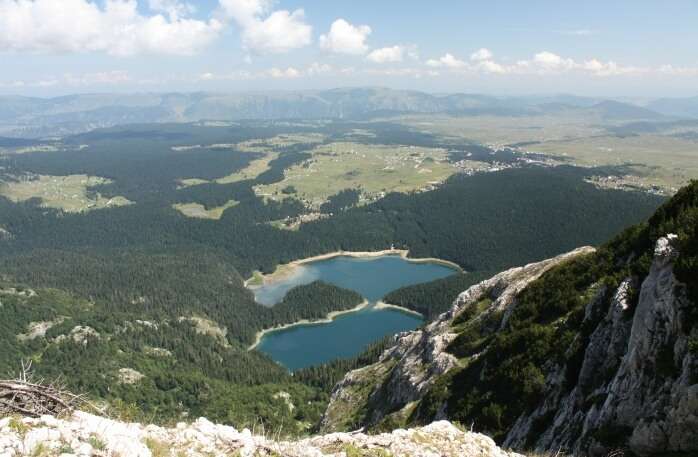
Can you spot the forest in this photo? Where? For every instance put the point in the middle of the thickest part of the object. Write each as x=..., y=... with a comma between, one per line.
x=550, y=324
x=168, y=284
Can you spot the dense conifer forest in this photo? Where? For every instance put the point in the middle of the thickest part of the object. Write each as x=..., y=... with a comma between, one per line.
x=164, y=294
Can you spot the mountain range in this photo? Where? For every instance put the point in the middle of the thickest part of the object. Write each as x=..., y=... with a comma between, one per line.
x=44, y=117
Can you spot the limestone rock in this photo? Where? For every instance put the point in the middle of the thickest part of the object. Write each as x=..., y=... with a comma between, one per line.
x=417, y=358
x=637, y=383
x=87, y=435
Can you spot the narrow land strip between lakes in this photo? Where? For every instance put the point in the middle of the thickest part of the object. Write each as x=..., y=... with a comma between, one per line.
x=329, y=318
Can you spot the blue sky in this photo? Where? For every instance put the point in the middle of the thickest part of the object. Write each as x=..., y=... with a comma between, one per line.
x=621, y=48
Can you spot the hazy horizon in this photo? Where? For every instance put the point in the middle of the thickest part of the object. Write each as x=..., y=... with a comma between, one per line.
x=434, y=93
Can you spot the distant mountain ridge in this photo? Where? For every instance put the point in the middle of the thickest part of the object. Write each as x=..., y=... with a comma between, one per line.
x=681, y=107
x=42, y=117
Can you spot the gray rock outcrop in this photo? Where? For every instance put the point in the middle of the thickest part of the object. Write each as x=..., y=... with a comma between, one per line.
x=636, y=385
x=86, y=435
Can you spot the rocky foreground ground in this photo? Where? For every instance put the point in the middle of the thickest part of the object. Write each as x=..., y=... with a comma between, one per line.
x=84, y=434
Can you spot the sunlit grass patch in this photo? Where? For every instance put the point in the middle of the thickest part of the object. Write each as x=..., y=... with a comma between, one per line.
x=68, y=193
x=373, y=169
x=197, y=210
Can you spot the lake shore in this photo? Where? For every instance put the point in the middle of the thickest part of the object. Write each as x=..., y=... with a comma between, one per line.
x=286, y=270
x=325, y=320
x=384, y=305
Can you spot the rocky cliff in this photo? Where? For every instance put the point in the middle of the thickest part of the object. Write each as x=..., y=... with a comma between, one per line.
x=87, y=435
x=586, y=353
x=637, y=379
x=407, y=370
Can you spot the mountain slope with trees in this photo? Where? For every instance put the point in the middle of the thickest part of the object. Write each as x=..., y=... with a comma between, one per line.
x=587, y=353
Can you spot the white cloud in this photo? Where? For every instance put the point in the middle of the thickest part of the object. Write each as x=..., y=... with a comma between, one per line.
x=319, y=69
x=609, y=68
x=117, y=28
x=489, y=66
x=279, y=32
x=482, y=60
x=289, y=73
x=246, y=11
x=447, y=61
x=481, y=54
x=542, y=63
x=238, y=75
x=173, y=8
x=678, y=71
x=345, y=38
x=386, y=55
x=552, y=62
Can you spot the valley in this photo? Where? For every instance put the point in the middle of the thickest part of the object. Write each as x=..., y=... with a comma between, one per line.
x=153, y=306
x=276, y=228
x=657, y=154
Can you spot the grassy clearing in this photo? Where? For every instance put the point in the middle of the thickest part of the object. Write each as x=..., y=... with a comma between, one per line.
x=667, y=160
x=68, y=193
x=254, y=169
x=191, y=182
x=269, y=147
x=374, y=169
x=199, y=211
x=664, y=161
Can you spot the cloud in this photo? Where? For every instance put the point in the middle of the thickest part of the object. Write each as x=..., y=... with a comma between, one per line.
x=552, y=62
x=173, y=8
x=316, y=68
x=345, y=38
x=279, y=32
x=610, y=68
x=246, y=11
x=489, y=66
x=117, y=28
x=238, y=75
x=482, y=60
x=289, y=73
x=678, y=71
x=313, y=69
x=481, y=54
x=447, y=61
x=386, y=55
x=542, y=63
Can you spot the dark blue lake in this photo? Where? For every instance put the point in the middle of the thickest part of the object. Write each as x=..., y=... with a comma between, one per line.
x=372, y=277
x=348, y=334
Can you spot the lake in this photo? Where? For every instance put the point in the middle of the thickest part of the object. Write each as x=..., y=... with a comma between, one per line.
x=348, y=334
x=372, y=277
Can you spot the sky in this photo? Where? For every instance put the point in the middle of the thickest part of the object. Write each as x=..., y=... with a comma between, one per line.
x=639, y=48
